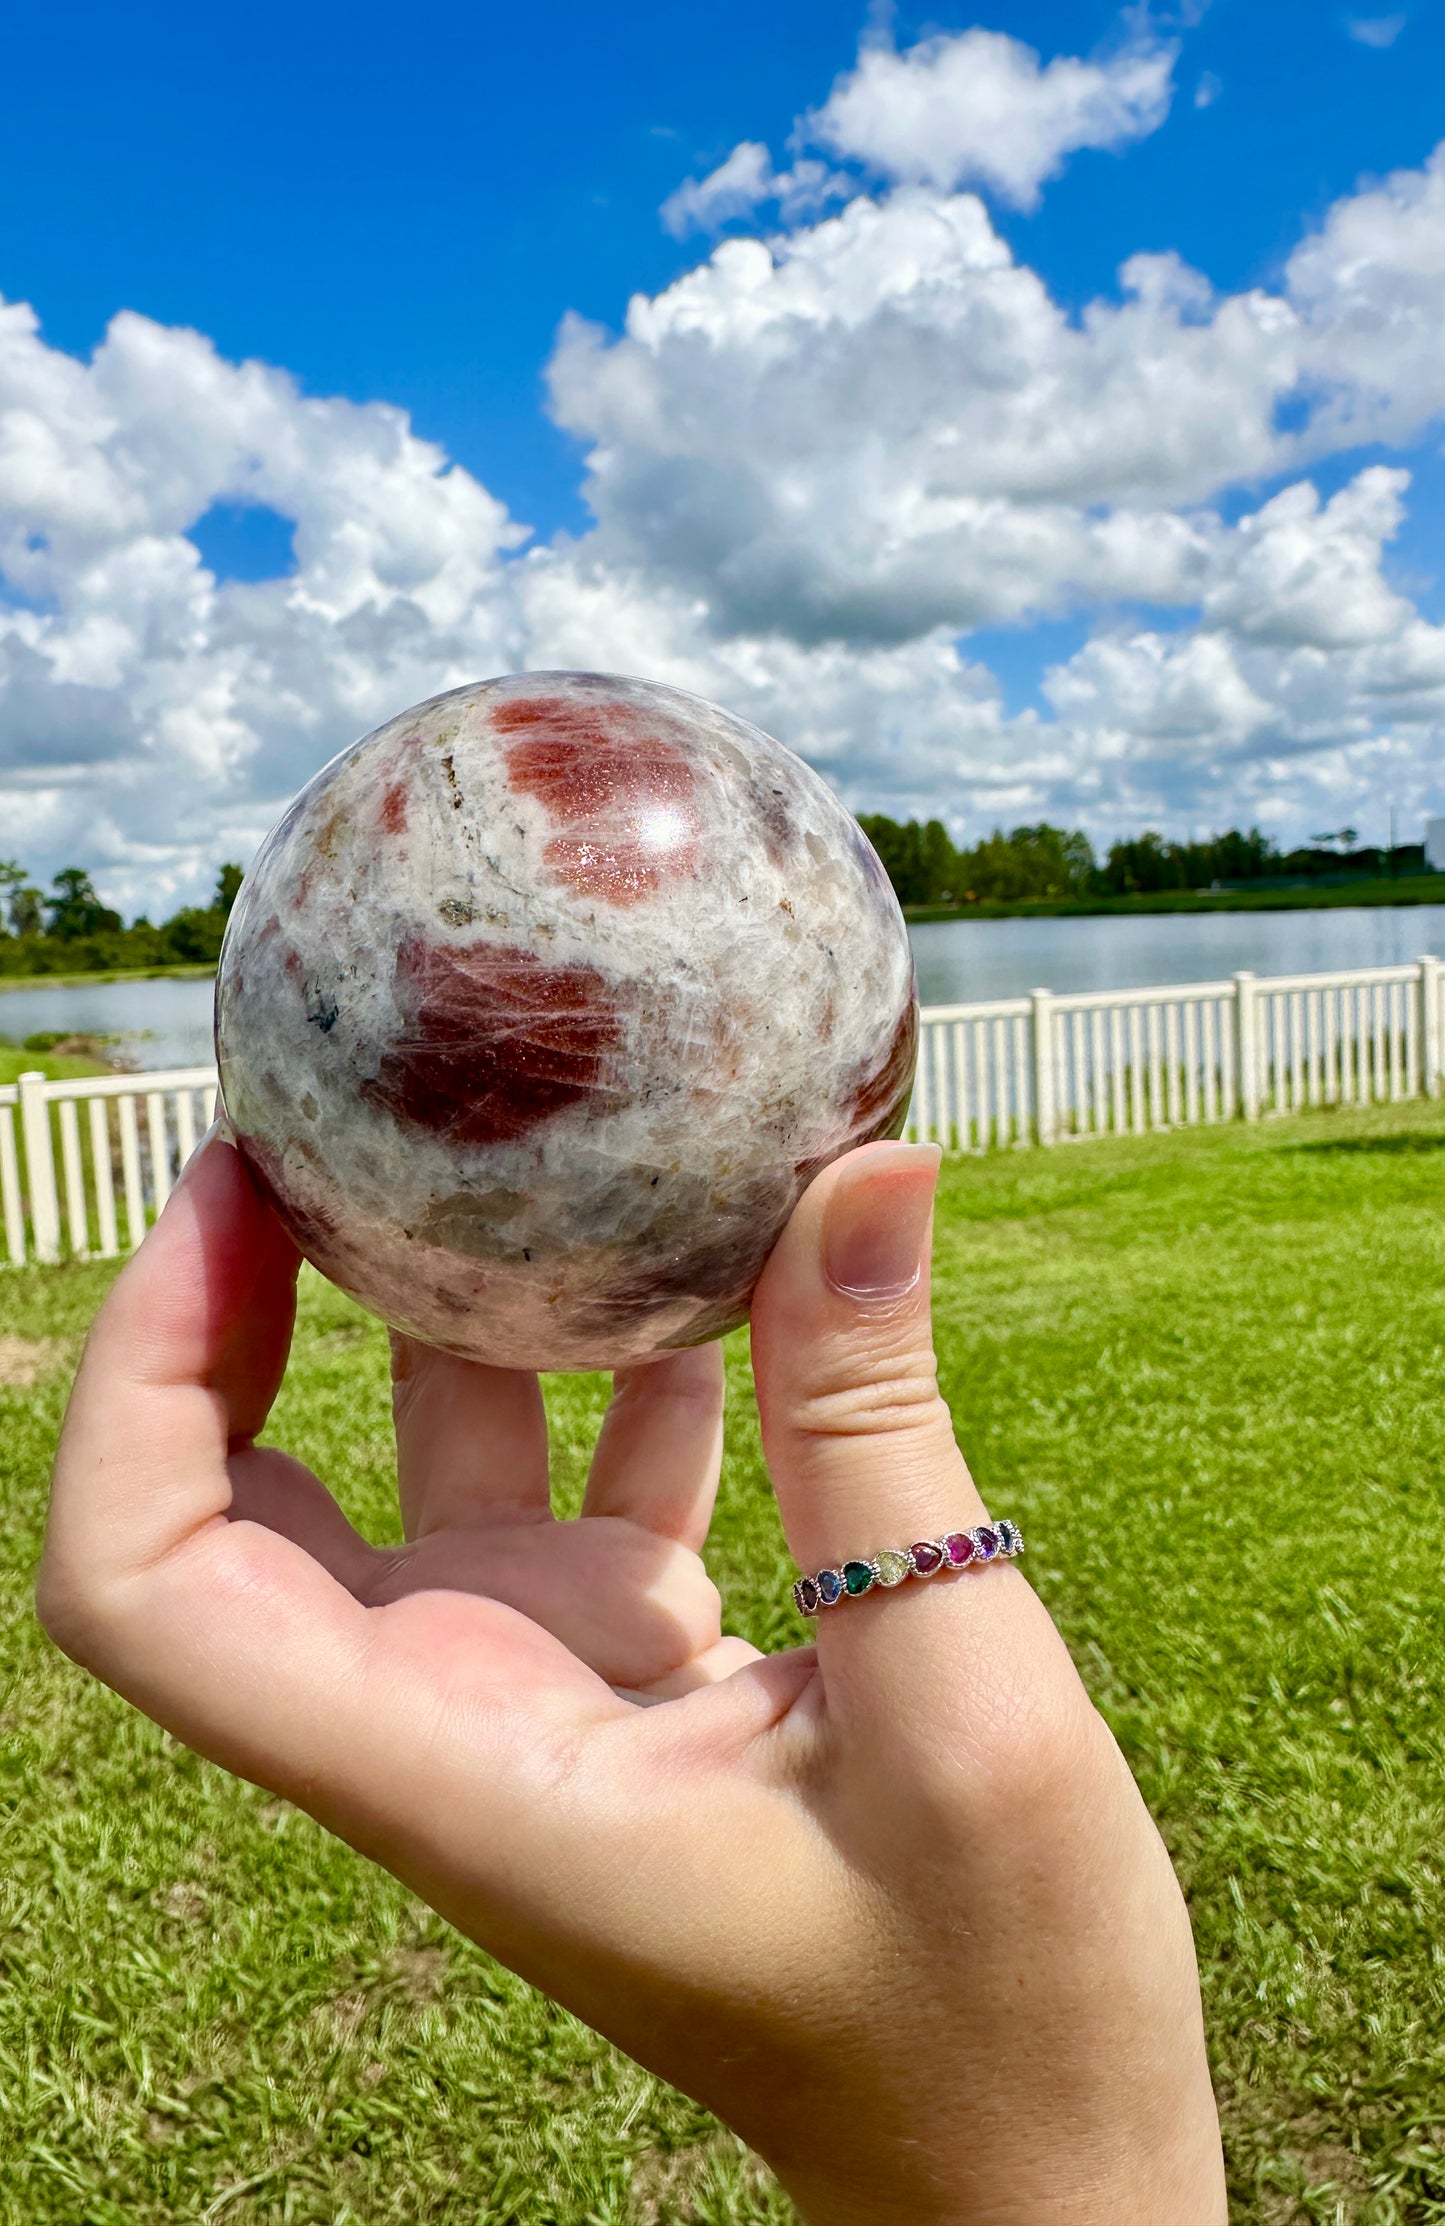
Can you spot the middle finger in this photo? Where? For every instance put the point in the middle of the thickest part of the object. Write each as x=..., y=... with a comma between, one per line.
x=471, y=1441
x=659, y=1455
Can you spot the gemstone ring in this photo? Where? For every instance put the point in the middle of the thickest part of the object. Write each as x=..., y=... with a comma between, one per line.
x=927, y=1557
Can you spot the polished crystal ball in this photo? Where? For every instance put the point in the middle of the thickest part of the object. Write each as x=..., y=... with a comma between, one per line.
x=543, y=1004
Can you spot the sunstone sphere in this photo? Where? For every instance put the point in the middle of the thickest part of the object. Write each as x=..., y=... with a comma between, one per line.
x=543, y=1004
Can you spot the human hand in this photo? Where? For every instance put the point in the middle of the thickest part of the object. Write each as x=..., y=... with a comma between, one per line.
x=891, y=1905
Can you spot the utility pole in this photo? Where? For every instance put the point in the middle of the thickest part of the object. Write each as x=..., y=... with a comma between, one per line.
x=1392, y=843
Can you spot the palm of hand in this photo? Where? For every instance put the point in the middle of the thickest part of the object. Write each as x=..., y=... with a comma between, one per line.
x=622, y=1587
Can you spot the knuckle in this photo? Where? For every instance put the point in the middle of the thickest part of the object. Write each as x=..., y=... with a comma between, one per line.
x=1012, y=1762
x=699, y=1598
x=66, y=1611
x=862, y=1394
x=1043, y=1752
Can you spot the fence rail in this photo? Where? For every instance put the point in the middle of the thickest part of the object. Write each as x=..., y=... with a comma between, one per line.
x=1044, y=1069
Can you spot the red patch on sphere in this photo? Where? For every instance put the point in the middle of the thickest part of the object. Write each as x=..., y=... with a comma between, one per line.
x=619, y=791
x=393, y=808
x=881, y=1101
x=310, y=1225
x=494, y=1041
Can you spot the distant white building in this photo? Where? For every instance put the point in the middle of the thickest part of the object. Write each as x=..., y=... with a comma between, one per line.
x=1435, y=844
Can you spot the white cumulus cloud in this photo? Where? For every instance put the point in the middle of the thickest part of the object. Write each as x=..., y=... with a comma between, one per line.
x=978, y=107
x=747, y=181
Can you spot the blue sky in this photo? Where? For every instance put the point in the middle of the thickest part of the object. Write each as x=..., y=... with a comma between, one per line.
x=401, y=207
x=401, y=204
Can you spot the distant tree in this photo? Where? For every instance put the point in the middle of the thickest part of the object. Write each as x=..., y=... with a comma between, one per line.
x=1145, y=863
x=901, y=850
x=26, y=916
x=20, y=901
x=194, y=935
x=1038, y=862
x=938, y=863
x=926, y=866
x=1236, y=857
x=73, y=909
x=12, y=878
x=228, y=888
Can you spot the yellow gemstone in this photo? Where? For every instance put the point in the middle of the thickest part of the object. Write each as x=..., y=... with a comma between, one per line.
x=891, y=1565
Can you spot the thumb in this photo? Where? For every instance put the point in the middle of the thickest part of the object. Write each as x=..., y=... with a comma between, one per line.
x=857, y=1436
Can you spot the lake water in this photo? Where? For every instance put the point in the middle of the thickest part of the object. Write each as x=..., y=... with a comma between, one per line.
x=161, y=1024
x=168, y=1023
x=961, y=961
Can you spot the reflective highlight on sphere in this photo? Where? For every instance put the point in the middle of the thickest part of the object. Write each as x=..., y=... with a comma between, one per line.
x=544, y=1003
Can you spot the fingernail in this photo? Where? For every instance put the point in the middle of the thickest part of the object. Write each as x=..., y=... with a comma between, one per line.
x=878, y=1220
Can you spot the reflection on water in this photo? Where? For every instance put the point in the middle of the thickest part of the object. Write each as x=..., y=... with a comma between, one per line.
x=168, y=1023
x=161, y=1024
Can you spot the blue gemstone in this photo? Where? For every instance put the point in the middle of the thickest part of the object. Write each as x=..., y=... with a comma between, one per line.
x=830, y=1586
x=1009, y=1540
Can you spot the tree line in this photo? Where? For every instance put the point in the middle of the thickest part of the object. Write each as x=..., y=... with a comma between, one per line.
x=1042, y=862
x=67, y=930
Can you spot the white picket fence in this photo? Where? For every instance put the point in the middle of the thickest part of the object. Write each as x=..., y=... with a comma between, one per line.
x=1043, y=1069
x=140, y=1130
x=1050, y=1069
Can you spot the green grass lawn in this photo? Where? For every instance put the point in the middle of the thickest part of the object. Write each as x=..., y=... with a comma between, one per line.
x=1204, y=1371
x=63, y=1066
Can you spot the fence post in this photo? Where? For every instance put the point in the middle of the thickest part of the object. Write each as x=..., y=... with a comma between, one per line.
x=1246, y=1042
x=39, y=1166
x=1429, y=1026
x=1045, y=1107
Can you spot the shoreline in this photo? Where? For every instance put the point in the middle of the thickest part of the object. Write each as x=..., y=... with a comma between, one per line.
x=177, y=973
x=1363, y=896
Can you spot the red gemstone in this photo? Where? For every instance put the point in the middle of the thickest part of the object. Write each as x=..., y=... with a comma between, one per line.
x=926, y=1557
x=959, y=1548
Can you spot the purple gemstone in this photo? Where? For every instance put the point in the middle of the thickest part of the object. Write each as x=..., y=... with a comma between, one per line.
x=960, y=1548
x=807, y=1596
x=926, y=1557
x=987, y=1541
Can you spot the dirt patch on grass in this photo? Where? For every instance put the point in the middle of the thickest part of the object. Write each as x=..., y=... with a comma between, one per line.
x=24, y=1360
x=422, y=1972
x=665, y=2182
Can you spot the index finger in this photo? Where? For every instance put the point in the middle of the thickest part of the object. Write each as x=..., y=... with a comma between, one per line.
x=226, y=1632
x=183, y=1361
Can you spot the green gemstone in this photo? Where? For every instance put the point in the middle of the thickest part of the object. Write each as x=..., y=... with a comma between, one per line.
x=891, y=1565
x=858, y=1576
